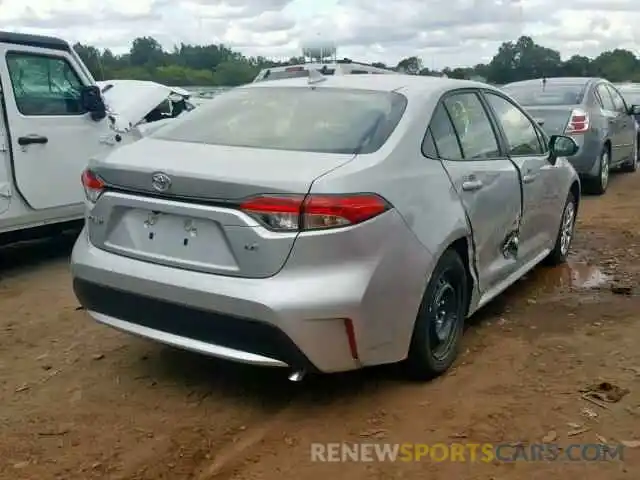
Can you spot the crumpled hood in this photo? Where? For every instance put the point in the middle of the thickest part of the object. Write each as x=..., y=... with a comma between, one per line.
x=129, y=101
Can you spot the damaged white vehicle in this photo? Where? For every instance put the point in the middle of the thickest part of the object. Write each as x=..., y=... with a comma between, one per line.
x=54, y=119
x=143, y=106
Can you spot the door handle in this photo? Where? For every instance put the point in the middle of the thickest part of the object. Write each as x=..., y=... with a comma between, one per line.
x=29, y=139
x=471, y=185
x=529, y=178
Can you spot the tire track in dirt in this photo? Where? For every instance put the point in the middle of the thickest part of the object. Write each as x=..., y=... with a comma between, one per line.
x=232, y=456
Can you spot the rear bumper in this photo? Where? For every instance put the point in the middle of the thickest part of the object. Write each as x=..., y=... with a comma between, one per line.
x=294, y=319
x=585, y=162
x=223, y=336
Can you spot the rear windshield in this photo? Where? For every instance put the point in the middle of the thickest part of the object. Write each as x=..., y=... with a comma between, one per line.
x=295, y=72
x=533, y=94
x=327, y=120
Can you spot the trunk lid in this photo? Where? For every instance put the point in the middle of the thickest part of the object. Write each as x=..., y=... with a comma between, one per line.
x=196, y=224
x=554, y=119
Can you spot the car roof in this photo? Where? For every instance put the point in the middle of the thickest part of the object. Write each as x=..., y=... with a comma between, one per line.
x=407, y=84
x=38, y=41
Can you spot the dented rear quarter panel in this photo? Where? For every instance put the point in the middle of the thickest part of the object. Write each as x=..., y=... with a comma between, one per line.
x=409, y=181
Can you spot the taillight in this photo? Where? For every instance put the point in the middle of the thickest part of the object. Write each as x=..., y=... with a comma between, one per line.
x=579, y=122
x=92, y=184
x=289, y=213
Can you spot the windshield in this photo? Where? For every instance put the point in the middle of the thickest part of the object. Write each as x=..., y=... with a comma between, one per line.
x=327, y=120
x=533, y=94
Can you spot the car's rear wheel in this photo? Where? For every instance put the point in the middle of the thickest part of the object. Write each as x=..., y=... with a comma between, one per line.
x=599, y=184
x=632, y=165
x=562, y=246
x=440, y=322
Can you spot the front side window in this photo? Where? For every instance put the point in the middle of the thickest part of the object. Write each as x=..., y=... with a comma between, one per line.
x=325, y=120
x=44, y=85
x=605, y=97
x=521, y=133
x=618, y=101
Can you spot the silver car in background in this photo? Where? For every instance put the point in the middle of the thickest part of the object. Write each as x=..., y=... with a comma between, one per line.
x=594, y=114
x=325, y=224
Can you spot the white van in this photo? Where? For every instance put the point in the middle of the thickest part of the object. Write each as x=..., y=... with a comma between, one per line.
x=335, y=67
x=53, y=119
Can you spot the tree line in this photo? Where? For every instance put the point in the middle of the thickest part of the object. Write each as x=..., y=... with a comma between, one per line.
x=219, y=65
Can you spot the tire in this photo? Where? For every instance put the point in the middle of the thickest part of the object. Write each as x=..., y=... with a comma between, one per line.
x=599, y=184
x=566, y=230
x=449, y=284
x=632, y=165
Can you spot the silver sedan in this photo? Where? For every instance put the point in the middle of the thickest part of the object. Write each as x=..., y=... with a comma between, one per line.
x=325, y=224
x=594, y=114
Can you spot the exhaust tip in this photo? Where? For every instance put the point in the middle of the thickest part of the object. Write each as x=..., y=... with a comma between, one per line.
x=297, y=376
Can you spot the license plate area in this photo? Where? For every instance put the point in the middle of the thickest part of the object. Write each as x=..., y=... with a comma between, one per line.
x=162, y=236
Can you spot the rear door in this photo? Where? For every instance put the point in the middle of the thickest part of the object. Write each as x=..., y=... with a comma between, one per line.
x=52, y=138
x=626, y=124
x=486, y=181
x=615, y=121
x=542, y=200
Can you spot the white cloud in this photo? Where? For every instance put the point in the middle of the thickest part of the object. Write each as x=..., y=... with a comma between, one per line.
x=441, y=32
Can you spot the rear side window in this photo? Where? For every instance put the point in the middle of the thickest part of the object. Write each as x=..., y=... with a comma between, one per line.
x=546, y=94
x=429, y=145
x=325, y=120
x=470, y=120
x=444, y=136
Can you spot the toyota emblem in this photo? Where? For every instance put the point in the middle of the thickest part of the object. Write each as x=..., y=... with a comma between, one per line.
x=160, y=182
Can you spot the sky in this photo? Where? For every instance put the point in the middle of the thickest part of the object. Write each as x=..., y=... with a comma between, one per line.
x=441, y=32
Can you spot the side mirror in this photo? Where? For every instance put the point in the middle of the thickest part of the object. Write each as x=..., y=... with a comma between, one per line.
x=540, y=122
x=92, y=102
x=561, y=146
x=634, y=110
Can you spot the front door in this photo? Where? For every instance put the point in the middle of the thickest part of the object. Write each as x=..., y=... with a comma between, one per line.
x=52, y=137
x=540, y=200
x=485, y=179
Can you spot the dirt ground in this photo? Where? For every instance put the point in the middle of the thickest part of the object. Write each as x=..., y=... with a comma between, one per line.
x=82, y=401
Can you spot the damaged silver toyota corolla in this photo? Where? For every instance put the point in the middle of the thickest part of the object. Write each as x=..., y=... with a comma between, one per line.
x=325, y=224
